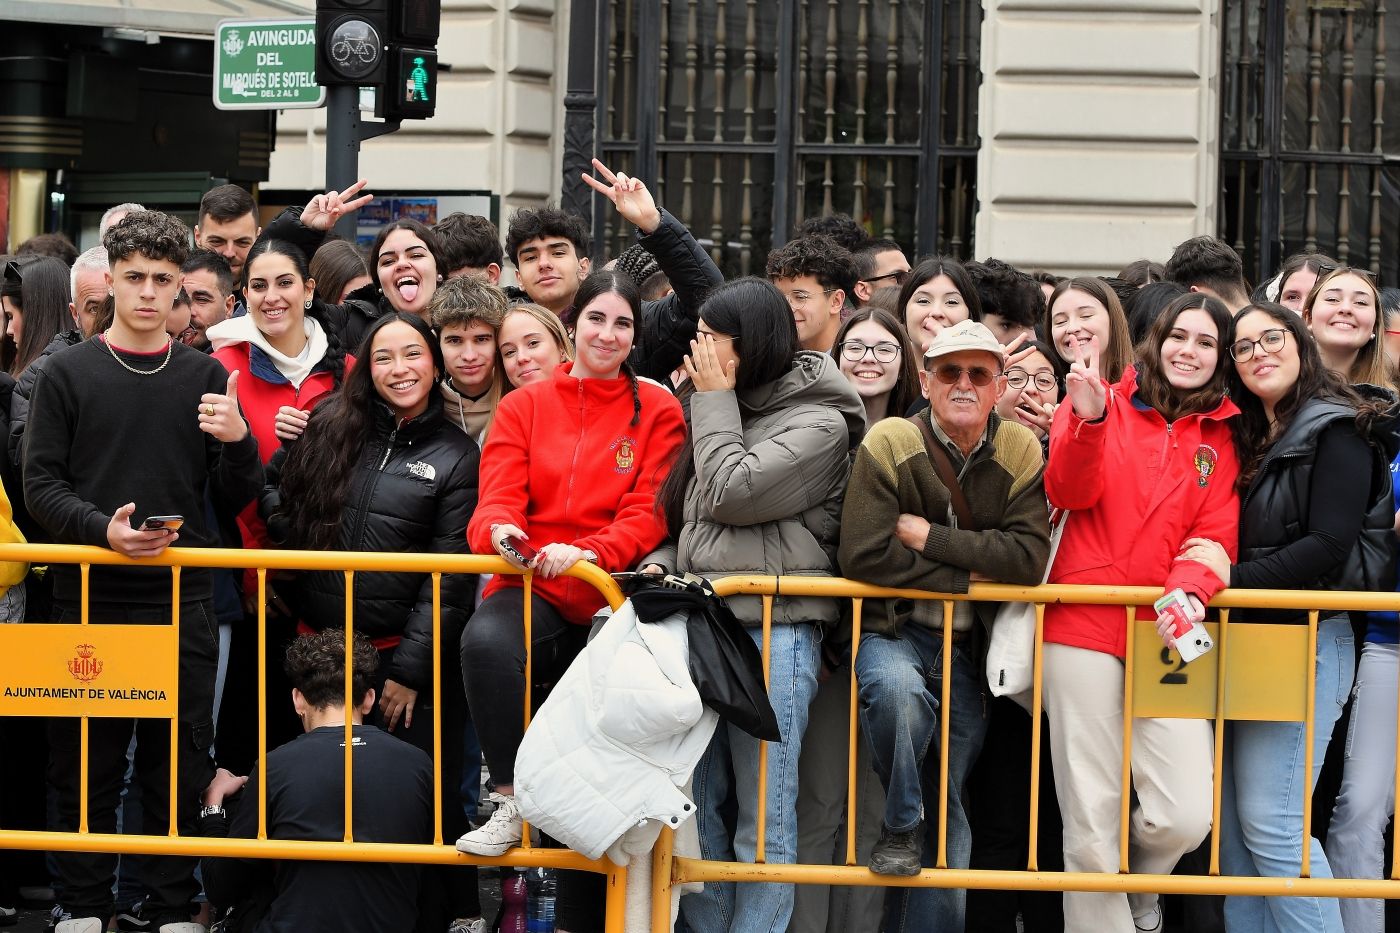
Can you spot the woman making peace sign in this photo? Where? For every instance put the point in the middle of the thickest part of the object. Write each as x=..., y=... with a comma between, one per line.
x=1142, y=466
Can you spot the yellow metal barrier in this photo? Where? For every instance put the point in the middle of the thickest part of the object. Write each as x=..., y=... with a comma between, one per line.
x=149, y=656
x=1240, y=678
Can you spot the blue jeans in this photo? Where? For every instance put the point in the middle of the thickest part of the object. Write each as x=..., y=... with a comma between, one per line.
x=901, y=684
x=749, y=907
x=1261, y=804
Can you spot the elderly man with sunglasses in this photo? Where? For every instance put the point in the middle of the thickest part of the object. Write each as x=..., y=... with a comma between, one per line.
x=962, y=490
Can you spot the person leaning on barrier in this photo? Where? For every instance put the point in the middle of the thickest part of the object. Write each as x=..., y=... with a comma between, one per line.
x=125, y=421
x=393, y=801
x=896, y=486
x=1142, y=465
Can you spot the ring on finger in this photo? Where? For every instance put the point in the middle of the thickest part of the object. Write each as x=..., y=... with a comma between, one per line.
x=209, y=410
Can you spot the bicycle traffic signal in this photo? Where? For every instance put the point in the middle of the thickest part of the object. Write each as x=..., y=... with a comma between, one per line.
x=351, y=41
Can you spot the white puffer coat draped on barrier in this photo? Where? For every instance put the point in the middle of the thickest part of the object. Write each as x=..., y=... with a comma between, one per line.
x=618, y=738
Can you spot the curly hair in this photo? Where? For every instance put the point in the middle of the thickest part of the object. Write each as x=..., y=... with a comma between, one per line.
x=1005, y=290
x=819, y=256
x=528, y=224
x=840, y=227
x=150, y=233
x=315, y=666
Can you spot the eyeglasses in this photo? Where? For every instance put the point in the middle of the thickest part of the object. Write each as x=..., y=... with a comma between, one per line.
x=855, y=350
x=1242, y=351
x=1017, y=379
x=898, y=276
x=979, y=376
x=799, y=298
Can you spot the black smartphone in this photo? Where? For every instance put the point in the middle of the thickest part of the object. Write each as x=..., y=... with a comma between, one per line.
x=163, y=522
x=521, y=550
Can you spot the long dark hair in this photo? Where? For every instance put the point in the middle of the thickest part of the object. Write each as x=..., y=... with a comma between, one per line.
x=1153, y=386
x=335, y=348
x=932, y=268
x=1254, y=435
x=317, y=474
x=611, y=282
x=759, y=318
x=906, y=386
x=40, y=289
x=336, y=264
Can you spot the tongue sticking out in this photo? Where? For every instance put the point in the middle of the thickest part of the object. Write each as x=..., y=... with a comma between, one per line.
x=408, y=291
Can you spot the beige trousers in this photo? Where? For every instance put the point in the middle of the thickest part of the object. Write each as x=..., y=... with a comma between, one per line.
x=1171, y=772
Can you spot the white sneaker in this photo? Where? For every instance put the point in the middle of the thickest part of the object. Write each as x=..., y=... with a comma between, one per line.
x=80, y=925
x=499, y=833
x=1150, y=922
x=462, y=925
x=185, y=926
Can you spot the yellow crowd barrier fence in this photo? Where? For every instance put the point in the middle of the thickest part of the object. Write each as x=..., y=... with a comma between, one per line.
x=55, y=670
x=1245, y=677
x=1256, y=672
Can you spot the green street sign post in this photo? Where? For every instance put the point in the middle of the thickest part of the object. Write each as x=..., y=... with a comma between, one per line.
x=266, y=65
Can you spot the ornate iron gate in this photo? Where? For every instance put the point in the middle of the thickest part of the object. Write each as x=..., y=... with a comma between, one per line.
x=1310, y=132
x=751, y=116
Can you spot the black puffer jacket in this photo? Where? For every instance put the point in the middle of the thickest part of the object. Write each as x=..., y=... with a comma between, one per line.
x=1274, y=509
x=413, y=491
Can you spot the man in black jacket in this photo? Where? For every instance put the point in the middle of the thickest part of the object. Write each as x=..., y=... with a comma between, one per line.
x=393, y=802
x=129, y=420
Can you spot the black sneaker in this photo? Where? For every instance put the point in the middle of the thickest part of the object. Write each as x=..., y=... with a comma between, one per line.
x=9, y=916
x=130, y=920
x=896, y=853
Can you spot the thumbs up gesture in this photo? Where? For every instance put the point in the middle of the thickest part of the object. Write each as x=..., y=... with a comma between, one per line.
x=220, y=415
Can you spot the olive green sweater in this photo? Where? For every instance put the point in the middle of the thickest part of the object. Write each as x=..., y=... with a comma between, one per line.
x=892, y=475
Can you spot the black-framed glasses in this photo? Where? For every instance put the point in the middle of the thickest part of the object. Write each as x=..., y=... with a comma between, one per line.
x=899, y=276
x=950, y=374
x=1017, y=379
x=855, y=350
x=1242, y=351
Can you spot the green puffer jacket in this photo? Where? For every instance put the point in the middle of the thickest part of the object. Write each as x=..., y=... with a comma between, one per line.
x=771, y=464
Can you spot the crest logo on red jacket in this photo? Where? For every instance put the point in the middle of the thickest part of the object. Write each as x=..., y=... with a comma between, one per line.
x=1205, y=461
x=624, y=451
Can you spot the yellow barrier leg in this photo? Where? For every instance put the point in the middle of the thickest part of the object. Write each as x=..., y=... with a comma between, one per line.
x=437, y=709
x=761, y=853
x=852, y=756
x=662, y=859
x=944, y=726
x=1218, y=768
x=349, y=703
x=1309, y=726
x=1037, y=684
x=262, y=697
x=175, y=696
x=616, y=903
x=1127, y=802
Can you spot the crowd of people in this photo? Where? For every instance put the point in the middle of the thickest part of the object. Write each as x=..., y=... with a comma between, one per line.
x=924, y=425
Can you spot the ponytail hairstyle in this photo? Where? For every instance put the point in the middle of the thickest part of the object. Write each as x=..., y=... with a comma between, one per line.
x=317, y=474
x=1254, y=434
x=334, y=359
x=611, y=282
x=1154, y=388
x=759, y=318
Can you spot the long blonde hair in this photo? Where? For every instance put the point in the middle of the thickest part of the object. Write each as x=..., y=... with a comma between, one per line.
x=1370, y=366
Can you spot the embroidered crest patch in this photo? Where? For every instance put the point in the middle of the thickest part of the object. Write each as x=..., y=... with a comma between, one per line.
x=624, y=451
x=1205, y=461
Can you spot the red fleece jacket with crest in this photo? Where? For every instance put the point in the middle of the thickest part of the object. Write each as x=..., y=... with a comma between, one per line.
x=565, y=464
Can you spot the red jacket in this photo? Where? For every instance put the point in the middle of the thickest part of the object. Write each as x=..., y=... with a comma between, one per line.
x=1137, y=488
x=564, y=463
x=261, y=391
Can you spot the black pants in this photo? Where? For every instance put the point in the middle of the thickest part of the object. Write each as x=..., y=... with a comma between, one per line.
x=448, y=891
x=493, y=670
x=86, y=878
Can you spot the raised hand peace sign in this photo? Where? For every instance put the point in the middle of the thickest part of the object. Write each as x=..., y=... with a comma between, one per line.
x=323, y=210
x=631, y=198
x=1084, y=386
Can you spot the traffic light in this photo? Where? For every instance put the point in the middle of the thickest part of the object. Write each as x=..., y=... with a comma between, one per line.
x=410, y=89
x=351, y=40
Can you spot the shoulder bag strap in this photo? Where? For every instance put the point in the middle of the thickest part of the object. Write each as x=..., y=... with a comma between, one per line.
x=946, y=474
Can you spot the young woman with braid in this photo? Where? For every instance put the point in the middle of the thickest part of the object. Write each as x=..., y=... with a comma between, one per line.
x=571, y=467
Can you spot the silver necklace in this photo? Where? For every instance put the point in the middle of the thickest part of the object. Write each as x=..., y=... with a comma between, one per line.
x=107, y=341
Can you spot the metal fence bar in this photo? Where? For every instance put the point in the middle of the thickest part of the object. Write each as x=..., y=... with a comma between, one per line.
x=1037, y=707
x=945, y=728
x=1218, y=732
x=174, y=775
x=852, y=796
x=262, y=697
x=1309, y=727
x=349, y=702
x=437, y=708
x=1126, y=788
x=761, y=853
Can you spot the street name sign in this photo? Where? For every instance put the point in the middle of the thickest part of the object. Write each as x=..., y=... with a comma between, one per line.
x=266, y=65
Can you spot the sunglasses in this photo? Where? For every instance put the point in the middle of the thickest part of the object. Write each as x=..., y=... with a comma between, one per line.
x=979, y=376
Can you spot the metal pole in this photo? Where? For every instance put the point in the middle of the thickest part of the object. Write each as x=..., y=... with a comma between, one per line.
x=343, y=146
x=580, y=101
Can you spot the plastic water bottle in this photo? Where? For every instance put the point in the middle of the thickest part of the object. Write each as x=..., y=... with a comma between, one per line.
x=542, y=886
x=513, y=901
